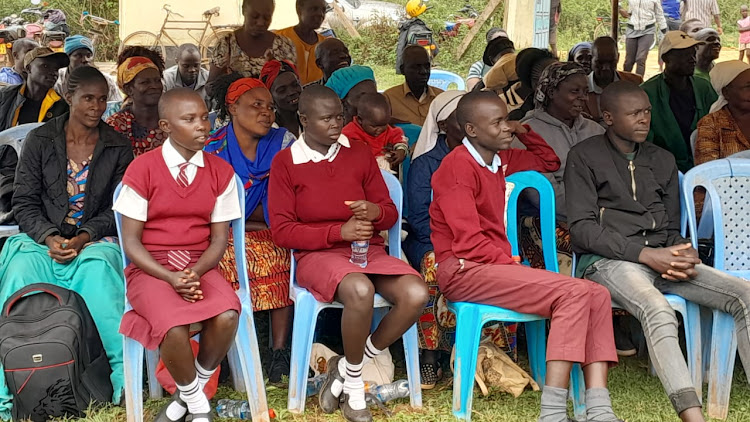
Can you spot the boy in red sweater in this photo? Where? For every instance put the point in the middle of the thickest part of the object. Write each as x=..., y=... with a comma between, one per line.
x=370, y=125
x=475, y=262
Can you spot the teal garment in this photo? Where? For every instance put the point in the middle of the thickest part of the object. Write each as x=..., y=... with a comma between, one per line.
x=665, y=132
x=701, y=74
x=95, y=274
x=584, y=262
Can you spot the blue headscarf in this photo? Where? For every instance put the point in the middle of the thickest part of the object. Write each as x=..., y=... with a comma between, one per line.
x=346, y=78
x=76, y=42
x=576, y=48
x=254, y=174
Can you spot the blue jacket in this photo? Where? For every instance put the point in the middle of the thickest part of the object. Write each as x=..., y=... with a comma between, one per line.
x=418, y=197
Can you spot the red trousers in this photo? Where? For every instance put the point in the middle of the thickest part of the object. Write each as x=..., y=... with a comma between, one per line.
x=580, y=311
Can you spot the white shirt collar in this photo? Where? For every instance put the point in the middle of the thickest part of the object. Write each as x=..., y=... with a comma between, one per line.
x=174, y=159
x=302, y=153
x=596, y=89
x=496, y=162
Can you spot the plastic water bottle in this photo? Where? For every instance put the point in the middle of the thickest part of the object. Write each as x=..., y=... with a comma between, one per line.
x=395, y=390
x=315, y=383
x=237, y=409
x=359, y=252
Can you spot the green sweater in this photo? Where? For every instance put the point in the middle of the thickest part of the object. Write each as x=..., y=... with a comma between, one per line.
x=665, y=132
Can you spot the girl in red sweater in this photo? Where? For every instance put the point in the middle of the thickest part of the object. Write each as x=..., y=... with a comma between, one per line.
x=475, y=262
x=176, y=204
x=326, y=192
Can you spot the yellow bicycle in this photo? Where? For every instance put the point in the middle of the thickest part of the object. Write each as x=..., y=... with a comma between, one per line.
x=173, y=21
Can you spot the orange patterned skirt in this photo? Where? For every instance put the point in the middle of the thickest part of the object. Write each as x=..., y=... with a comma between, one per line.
x=268, y=268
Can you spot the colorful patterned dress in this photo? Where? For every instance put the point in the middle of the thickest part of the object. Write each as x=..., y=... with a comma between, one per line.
x=229, y=55
x=143, y=139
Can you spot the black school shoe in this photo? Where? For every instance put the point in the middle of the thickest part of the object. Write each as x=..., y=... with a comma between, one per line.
x=327, y=401
x=162, y=416
x=352, y=415
x=280, y=364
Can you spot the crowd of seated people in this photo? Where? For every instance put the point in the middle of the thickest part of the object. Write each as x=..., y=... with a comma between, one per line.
x=297, y=122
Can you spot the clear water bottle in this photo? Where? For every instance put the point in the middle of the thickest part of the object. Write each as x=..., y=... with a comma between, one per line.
x=315, y=383
x=395, y=390
x=237, y=409
x=359, y=252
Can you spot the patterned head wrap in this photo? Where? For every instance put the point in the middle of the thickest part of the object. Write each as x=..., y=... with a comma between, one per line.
x=580, y=46
x=552, y=77
x=273, y=68
x=241, y=86
x=131, y=67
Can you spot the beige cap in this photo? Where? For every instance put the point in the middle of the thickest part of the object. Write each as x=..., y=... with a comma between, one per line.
x=40, y=52
x=676, y=40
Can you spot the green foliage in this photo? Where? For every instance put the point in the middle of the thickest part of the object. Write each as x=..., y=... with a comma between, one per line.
x=109, y=9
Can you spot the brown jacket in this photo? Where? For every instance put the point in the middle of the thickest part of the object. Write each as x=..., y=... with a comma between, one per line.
x=718, y=137
x=592, y=105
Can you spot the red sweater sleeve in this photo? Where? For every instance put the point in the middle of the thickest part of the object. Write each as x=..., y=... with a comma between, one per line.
x=537, y=156
x=376, y=192
x=455, y=192
x=286, y=229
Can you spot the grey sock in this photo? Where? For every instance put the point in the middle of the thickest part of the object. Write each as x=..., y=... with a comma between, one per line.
x=554, y=404
x=599, y=406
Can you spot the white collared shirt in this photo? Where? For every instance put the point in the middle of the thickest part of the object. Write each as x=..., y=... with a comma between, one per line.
x=496, y=162
x=596, y=89
x=302, y=153
x=130, y=204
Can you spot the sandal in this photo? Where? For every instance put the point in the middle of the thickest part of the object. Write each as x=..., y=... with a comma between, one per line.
x=430, y=374
x=162, y=416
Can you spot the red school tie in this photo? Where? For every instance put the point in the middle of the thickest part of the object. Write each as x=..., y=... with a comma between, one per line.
x=182, y=179
x=179, y=259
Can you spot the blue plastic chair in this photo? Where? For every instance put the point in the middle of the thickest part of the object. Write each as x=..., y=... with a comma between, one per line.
x=443, y=79
x=471, y=317
x=307, y=308
x=727, y=184
x=243, y=356
x=14, y=137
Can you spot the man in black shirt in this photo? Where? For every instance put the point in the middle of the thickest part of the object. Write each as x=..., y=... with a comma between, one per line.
x=35, y=100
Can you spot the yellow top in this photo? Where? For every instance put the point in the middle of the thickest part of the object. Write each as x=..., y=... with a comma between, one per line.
x=308, y=70
x=51, y=98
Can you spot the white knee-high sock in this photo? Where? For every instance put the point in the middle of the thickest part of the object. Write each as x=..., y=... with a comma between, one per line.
x=370, y=350
x=203, y=374
x=195, y=399
x=354, y=387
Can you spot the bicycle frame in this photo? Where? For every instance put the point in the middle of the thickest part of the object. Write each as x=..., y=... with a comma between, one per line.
x=202, y=25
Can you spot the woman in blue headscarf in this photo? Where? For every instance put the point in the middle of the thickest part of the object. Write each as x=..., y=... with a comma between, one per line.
x=249, y=143
x=581, y=54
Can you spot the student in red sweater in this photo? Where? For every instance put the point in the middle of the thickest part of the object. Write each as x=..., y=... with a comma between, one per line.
x=371, y=126
x=176, y=205
x=475, y=262
x=325, y=193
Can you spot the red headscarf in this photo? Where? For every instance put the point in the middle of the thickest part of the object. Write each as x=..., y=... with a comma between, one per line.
x=273, y=68
x=241, y=86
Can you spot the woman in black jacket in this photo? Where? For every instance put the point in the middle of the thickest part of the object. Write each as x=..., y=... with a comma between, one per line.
x=62, y=200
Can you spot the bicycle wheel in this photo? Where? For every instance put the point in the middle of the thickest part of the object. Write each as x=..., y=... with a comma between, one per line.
x=144, y=39
x=209, y=43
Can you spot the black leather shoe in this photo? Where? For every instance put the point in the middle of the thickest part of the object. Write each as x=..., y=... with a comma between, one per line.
x=162, y=416
x=326, y=399
x=352, y=415
x=190, y=417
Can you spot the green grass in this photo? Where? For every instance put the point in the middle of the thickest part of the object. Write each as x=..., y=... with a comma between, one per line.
x=637, y=397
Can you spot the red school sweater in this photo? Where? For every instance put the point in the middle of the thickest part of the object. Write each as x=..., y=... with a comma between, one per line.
x=306, y=201
x=178, y=218
x=466, y=214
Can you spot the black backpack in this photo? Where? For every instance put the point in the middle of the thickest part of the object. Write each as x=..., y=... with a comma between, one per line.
x=54, y=361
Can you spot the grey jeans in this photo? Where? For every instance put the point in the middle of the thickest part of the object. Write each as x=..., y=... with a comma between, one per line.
x=636, y=53
x=637, y=288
